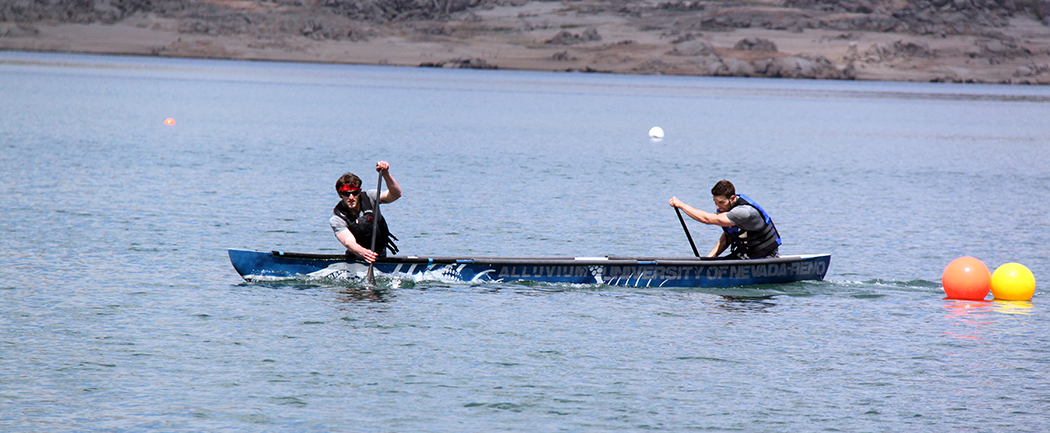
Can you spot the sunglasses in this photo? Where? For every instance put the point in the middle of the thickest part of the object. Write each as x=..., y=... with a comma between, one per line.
x=349, y=193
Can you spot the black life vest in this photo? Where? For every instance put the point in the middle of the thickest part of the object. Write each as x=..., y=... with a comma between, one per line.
x=361, y=226
x=753, y=244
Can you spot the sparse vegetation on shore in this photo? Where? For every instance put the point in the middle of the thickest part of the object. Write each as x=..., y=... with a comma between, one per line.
x=991, y=41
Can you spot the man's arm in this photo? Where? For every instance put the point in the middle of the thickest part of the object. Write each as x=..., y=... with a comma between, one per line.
x=719, y=219
x=350, y=242
x=393, y=191
x=723, y=243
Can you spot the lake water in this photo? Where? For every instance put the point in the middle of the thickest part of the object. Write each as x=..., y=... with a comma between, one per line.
x=119, y=310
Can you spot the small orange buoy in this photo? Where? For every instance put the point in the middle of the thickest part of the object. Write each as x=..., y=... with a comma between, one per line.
x=169, y=121
x=966, y=278
x=1013, y=282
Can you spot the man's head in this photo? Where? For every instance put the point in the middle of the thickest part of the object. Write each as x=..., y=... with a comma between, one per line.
x=349, y=188
x=724, y=195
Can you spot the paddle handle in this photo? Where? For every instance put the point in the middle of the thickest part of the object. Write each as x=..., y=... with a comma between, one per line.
x=686, y=228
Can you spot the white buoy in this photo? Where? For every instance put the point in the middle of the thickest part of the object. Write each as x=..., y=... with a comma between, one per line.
x=656, y=132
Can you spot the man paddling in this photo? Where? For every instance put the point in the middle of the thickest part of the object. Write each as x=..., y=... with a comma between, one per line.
x=746, y=227
x=352, y=218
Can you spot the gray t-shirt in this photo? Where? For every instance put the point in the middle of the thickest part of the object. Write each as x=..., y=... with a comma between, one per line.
x=746, y=217
x=338, y=224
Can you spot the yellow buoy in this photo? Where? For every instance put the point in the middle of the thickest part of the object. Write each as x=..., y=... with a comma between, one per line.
x=1013, y=282
x=169, y=121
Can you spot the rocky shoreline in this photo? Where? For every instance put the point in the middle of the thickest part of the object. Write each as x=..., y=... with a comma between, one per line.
x=980, y=41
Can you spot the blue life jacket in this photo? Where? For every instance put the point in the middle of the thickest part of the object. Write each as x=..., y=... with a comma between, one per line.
x=754, y=244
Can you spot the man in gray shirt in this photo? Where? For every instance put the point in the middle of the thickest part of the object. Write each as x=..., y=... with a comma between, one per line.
x=747, y=228
x=352, y=221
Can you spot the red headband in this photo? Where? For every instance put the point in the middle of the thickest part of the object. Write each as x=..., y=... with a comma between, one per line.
x=349, y=188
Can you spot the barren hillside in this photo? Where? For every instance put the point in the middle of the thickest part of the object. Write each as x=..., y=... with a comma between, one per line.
x=996, y=41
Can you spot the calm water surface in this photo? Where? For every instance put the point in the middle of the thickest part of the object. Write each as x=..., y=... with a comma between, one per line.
x=119, y=310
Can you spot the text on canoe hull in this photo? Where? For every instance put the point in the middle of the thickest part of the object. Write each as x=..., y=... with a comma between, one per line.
x=660, y=272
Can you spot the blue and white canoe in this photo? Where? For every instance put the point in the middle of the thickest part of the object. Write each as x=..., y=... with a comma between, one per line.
x=611, y=270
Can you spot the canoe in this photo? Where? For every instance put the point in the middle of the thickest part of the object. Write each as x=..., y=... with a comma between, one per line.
x=611, y=270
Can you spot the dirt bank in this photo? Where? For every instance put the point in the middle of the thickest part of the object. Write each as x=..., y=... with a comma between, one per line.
x=992, y=41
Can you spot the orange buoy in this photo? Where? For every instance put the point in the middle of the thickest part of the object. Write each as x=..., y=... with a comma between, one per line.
x=966, y=278
x=169, y=121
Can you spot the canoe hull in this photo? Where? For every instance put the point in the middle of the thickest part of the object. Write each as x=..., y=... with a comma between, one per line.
x=615, y=271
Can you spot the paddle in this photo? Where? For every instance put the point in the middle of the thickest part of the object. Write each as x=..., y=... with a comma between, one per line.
x=684, y=227
x=371, y=278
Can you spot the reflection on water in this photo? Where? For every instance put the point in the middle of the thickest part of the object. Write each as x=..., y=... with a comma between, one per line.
x=366, y=293
x=1012, y=307
x=971, y=315
x=975, y=313
x=745, y=303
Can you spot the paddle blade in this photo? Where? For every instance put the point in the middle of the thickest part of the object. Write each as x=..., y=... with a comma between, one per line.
x=370, y=278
